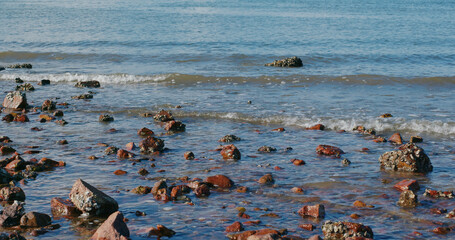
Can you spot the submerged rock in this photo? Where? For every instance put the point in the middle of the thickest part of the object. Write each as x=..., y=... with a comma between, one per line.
x=144, y=132
x=287, y=62
x=345, y=230
x=267, y=149
x=188, y=155
x=160, y=231
x=409, y=158
x=316, y=127
x=105, y=118
x=83, y=96
x=88, y=84
x=329, y=150
x=175, y=126
x=35, y=219
x=15, y=100
x=44, y=82
x=266, y=179
x=163, y=116
x=114, y=228
x=90, y=200
x=48, y=105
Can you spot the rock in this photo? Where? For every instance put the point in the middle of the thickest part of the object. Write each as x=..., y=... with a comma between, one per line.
x=120, y=172
x=386, y=115
x=266, y=149
x=297, y=190
x=143, y=172
x=49, y=164
x=379, y=140
x=2, y=68
x=11, y=236
x=83, y=96
x=230, y=152
x=12, y=193
x=329, y=150
x=141, y=190
x=408, y=199
x=122, y=154
x=235, y=227
x=229, y=138
x=188, y=155
x=8, y=118
x=145, y=132
x=45, y=118
x=130, y=146
x=159, y=185
x=163, y=116
x=220, y=181
x=48, y=105
x=307, y=226
x=61, y=122
x=287, y=62
x=316, y=127
x=111, y=150
x=438, y=194
x=267, y=236
x=315, y=237
x=58, y=113
x=6, y=150
x=345, y=230
x=407, y=184
x=114, y=228
x=160, y=231
x=21, y=65
x=15, y=100
x=21, y=118
x=416, y=139
x=441, y=230
x=345, y=162
x=12, y=214
x=360, y=204
x=151, y=145
x=179, y=190
x=63, y=207
x=90, y=200
x=5, y=177
x=174, y=126
x=266, y=179
x=105, y=118
x=163, y=195
x=88, y=84
x=25, y=87
x=316, y=211
x=203, y=190
x=298, y=162
x=35, y=219
x=16, y=165
x=409, y=158
x=396, y=138
x=44, y=82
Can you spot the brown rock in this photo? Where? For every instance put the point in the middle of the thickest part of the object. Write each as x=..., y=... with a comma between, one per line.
x=163, y=195
x=316, y=211
x=175, y=126
x=361, y=204
x=12, y=193
x=48, y=105
x=379, y=140
x=188, y=155
x=266, y=179
x=298, y=162
x=297, y=190
x=122, y=154
x=130, y=146
x=409, y=158
x=159, y=185
x=386, y=115
x=235, y=227
x=316, y=127
x=308, y=226
x=407, y=184
x=141, y=190
x=145, y=132
x=266, y=149
x=408, y=199
x=441, y=230
x=278, y=130
x=88, y=84
x=202, y=190
x=105, y=118
x=143, y=172
x=35, y=219
x=21, y=118
x=16, y=165
x=151, y=145
x=178, y=191
x=230, y=152
x=63, y=207
x=396, y=138
x=15, y=100
x=12, y=214
x=58, y=113
x=220, y=181
x=114, y=228
x=345, y=230
x=163, y=116
x=160, y=231
x=120, y=172
x=45, y=117
x=329, y=150
x=287, y=62
x=242, y=189
x=229, y=138
x=90, y=200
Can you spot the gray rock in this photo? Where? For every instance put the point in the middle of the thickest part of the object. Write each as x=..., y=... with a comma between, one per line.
x=408, y=158
x=12, y=214
x=15, y=100
x=90, y=200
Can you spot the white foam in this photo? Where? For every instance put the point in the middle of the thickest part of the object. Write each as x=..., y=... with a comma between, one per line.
x=75, y=77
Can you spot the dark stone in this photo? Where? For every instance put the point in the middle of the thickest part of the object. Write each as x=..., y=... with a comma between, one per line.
x=287, y=62
x=35, y=219
x=44, y=82
x=88, y=84
x=19, y=65
x=25, y=87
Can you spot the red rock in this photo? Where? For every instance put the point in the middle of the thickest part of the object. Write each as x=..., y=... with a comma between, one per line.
x=114, y=228
x=297, y=190
x=175, y=126
x=151, y=145
x=12, y=193
x=438, y=210
x=355, y=216
x=178, y=191
x=159, y=185
x=160, y=231
x=298, y=162
x=309, y=227
x=145, y=132
x=188, y=155
x=130, y=146
x=316, y=127
x=252, y=222
x=241, y=236
x=230, y=152
x=5, y=150
x=163, y=195
x=235, y=227
x=62, y=142
x=15, y=100
x=329, y=150
x=122, y=154
x=278, y=130
x=119, y=172
x=31, y=152
x=379, y=140
x=202, y=190
x=220, y=181
x=21, y=118
x=105, y=118
x=90, y=200
x=408, y=184
x=243, y=215
x=63, y=207
x=277, y=168
x=35, y=219
x=163, y=116
x=16, y=165
x=396, y=138
x=441, y=230
x=316, y=211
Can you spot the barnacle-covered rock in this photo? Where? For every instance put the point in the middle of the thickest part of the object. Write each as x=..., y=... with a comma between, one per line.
x=408, y=158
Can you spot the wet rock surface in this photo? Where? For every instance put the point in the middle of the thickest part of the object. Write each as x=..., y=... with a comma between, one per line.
x=408, y=199
x=230, y=152
x=35, y=219
x=151, y=145
x=287, y=62
x=113, y=228
x=345, y=230
x=408, y=158
x=90, y=200
x=88, y=84
x=15, y=100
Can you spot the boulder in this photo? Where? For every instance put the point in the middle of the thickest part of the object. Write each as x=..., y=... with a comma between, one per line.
x=90, y=200
x=151, y=145
x=345, y=230
x=408, y=158
x=316, y=211
x=329, y=150
x=12, y=214
x=63, y=207
x=230, y=152
x=220, y=181
x=408, y=199
x=114, y=228
x=15, y=100
x=88, y=84
x=10, y=193
x=35, y=220
x=287, y=62
x=163, y=116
